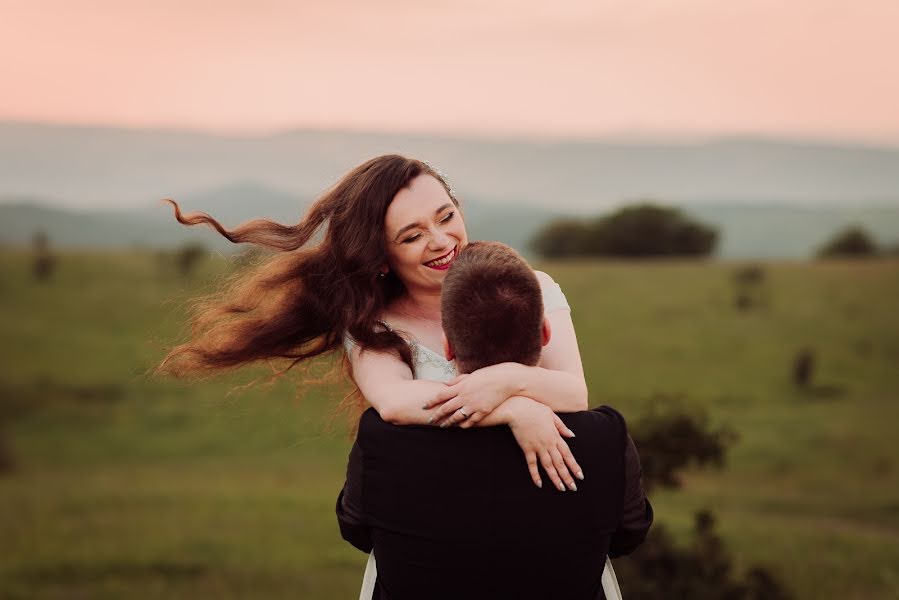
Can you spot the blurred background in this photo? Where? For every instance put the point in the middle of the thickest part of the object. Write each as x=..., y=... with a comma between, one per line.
x=714, y=185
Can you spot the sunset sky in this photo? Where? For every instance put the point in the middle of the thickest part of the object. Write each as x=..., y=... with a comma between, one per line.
x=558, y=68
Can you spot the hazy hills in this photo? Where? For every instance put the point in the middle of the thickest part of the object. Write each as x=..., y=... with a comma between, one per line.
x=155, y=227
x=120, y=168
x=771, y=198
x=749, y=231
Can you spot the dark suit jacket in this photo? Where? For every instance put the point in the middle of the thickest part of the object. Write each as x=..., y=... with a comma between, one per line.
x=453, y=513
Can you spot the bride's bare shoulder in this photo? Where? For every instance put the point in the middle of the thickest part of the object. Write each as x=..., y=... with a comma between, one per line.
x=544, y=278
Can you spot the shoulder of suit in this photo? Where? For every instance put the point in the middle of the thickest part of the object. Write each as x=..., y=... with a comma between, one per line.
x=373, y=429
x=612, y=416
x=610, y=412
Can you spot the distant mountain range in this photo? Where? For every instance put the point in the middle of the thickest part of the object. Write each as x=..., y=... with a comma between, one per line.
x=155, y=227
x=748, y=231
x=771, y=198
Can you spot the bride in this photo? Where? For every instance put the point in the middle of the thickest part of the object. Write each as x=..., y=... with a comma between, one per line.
x=372, y=284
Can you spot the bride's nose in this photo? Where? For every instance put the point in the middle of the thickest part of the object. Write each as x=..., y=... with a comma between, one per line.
x=439, y=240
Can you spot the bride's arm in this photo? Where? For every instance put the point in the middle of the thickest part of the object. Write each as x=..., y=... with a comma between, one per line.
x=389, y=386
x=540, y=433
x=557, y=381
x=387, y=383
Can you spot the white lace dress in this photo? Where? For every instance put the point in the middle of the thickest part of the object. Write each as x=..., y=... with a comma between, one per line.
x=432, y=366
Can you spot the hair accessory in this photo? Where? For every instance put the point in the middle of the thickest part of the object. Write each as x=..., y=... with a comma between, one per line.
x=443, y=179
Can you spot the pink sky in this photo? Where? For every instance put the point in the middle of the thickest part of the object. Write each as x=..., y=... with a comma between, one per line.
x=818, y=68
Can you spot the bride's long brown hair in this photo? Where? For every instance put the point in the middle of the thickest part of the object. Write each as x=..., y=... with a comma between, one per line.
x=300, y=302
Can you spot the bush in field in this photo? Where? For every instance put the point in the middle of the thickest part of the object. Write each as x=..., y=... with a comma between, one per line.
x=650, y=230
x=188, y=257
x=850, y=242
x=669, y=442
x=562, y=238
x=749, y=287
x=643, y=230
x=703, y=569
x=803, y=367
x=44, y=262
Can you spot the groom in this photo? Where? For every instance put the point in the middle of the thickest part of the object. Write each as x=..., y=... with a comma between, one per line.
x=452, y=513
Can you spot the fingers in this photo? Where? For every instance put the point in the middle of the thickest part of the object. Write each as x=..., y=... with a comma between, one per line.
x=568, y=457
x=441, y=397
x=473, y=419
x=562, y=453
x=562, y=469
x=456, y=379
x=531, y=458
x=463, y=418
x=454, y=419
x=448, y=409
x=548, y=466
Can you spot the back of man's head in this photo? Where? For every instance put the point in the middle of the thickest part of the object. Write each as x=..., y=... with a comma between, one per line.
x=492, y=308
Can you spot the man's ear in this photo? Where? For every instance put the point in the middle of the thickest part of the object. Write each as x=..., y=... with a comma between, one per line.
x=447, y=348
x=547, y=332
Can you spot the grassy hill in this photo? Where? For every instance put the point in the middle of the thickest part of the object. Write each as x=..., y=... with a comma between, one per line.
x=126, y=486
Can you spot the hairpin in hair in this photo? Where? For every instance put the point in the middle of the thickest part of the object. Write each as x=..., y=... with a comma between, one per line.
x=443, y=179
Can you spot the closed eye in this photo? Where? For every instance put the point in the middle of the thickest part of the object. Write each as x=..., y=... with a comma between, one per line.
x=412, y=238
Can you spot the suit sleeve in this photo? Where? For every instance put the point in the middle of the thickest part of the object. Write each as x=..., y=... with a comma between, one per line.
x=636, y=513
x=353, y=526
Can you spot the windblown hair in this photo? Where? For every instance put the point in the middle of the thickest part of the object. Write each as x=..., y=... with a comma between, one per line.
x=492, y=308
x=302, y=301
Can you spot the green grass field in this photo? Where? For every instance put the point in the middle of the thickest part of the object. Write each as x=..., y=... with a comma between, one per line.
x=125, y=486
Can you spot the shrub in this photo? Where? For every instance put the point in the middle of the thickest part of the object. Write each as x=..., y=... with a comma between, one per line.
x=850, y=242
x=669, y=442
x=643, y=230
x=560, y=239
x=44, y=262
x=749, y=287
x=703, y=570
x=650, y=230
x=803, y=367
x=188, y=257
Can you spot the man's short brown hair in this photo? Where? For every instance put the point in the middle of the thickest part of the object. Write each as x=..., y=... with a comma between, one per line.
x=492, y=308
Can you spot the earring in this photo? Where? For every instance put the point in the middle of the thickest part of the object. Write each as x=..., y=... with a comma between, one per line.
x=382, y=274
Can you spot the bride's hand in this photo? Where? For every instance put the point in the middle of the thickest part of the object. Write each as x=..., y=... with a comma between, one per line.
x=469, y=398
x=538, y=430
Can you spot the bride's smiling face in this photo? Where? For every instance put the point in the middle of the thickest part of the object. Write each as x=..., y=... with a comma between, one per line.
x=424, y=233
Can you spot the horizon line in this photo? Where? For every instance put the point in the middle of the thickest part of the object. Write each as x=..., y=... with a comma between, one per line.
x=623, y=136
